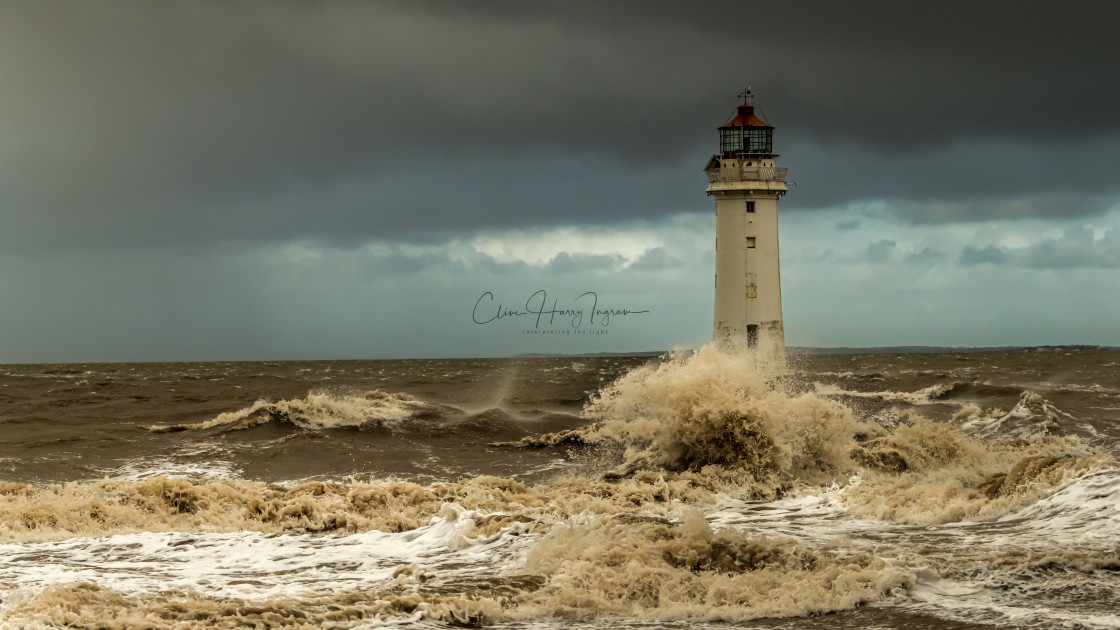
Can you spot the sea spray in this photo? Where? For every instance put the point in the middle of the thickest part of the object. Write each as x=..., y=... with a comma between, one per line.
x=693, y=411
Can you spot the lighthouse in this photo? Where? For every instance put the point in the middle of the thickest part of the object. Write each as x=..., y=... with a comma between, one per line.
x=747, y=185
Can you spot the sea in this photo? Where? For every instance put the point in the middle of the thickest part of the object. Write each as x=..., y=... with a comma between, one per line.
x=692, y=490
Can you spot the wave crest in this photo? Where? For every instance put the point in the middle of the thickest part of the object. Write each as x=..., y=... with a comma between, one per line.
x=323, y=410
x=1032, y=416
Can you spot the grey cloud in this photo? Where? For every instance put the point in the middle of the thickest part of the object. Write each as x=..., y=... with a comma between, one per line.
x=1045, y=206
x=584, y=263
x=423, y=201
x=881, y=250
x=926, y=255
x=1075, y=248
x=976, y=256
x=848, y=225
x=399, y=263
x=656, y=259
x=488, y=264
x=396, y=262
x=962, y=183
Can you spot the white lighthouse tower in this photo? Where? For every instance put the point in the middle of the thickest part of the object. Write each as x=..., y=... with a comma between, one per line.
x=746, y=184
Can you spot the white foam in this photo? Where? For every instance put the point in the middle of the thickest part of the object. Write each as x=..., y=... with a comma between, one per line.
x=1086, y=512
x=812, y=520
x=141, y=468
x=924, y=396
x=1032, y=416
x=248, y=565
x=323, y=410
x=1003, y=606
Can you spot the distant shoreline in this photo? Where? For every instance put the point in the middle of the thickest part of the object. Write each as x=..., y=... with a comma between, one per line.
x=951, y=349
x=850, y=350
x=793, y=350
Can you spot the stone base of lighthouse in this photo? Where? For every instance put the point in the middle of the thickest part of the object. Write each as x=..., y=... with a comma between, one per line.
x=748, y=292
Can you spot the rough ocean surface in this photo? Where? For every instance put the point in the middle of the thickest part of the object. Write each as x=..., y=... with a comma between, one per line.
x=701, y=490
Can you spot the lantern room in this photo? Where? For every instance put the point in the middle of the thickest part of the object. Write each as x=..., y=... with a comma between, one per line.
x=746, y=134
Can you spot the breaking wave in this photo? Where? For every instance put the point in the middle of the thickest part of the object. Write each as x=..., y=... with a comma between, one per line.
x=924, y=396
x=1032, y=416
x=937, y=393
x=324, y=410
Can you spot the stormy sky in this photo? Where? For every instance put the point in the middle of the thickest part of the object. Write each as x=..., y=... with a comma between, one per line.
x=332, y=179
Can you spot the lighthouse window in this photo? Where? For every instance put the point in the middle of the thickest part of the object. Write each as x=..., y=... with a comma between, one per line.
x=731, y=139
x=750, y=206
x=750, y=242
x=759, y=140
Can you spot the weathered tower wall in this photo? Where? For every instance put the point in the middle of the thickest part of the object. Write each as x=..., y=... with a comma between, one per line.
x=748, y=292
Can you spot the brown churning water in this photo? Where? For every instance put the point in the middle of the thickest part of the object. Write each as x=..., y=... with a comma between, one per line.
x=924, y=490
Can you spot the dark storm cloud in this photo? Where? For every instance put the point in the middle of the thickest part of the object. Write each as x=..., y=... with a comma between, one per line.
x=145, y=124
x=964, y=182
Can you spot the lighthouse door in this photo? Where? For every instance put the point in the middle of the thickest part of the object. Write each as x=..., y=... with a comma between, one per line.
x=752, y=335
